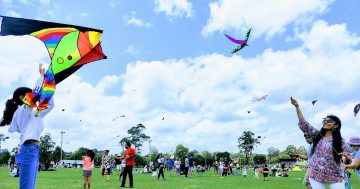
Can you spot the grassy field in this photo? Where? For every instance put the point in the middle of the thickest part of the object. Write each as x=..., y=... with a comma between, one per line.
x=71, y=179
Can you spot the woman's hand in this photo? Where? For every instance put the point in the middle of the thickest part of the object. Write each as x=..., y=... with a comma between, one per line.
x=41, y=70
x=294, y=102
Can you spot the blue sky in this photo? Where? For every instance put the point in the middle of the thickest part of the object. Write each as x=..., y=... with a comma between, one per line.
x=174, y=54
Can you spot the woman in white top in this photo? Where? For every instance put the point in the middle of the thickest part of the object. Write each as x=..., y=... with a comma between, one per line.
x=22, y=119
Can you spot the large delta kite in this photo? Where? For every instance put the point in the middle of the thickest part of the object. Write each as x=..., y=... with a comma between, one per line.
x=69, y=48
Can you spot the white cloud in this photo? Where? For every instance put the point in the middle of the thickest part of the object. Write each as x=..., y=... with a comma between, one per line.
x=265, y=17
x=114, y=3
x=13, y=13
x=131, y=50
x=205, y=99
x=130, y=19
x=326, y=39
x=174, y=8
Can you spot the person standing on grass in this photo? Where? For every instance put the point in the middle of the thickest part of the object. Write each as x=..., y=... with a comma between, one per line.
x=244, y=172
x=171, y=165
x=161, y=167
x=22, y=119
x=191, y=165
x=326, y=166
x=256, y=174
x=129, y=157
x=88, y=162
x=186, y=166
x=177, y=166
x=105, y=165
x=266, y=173
x=306, y=157
x=355, y=158
x=216, y=167
x=117, y=164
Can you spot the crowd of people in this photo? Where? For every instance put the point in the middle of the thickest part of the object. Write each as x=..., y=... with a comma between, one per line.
x=329, y=154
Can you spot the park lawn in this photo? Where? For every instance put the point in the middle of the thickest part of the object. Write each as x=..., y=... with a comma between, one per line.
x=71, y=178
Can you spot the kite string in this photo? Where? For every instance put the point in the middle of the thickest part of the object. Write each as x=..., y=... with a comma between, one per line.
x=245, y=23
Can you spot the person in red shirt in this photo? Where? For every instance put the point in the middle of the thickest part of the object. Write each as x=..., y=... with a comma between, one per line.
x=129, y=157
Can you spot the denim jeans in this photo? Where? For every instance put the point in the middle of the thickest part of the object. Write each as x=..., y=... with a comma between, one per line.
x=28, y=161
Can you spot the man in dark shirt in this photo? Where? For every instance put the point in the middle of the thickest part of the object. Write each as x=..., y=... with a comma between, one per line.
x=191, y=166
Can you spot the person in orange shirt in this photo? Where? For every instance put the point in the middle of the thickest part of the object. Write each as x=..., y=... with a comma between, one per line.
x=129, y=157
x=88, y=162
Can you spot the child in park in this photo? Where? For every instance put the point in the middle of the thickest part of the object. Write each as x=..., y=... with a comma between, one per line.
x=244, y=172
x=256, y=176
x=88, y=162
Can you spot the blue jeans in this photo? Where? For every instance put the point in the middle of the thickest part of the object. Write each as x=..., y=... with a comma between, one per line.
x=28, y=161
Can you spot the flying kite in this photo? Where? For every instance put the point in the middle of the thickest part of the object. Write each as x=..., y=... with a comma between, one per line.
x=117, y=117
x=241, y=42
x=260, y=98
x=115, y=137
x=163, y=118
x=313, y=102
x=69, y=48
x=356, y=109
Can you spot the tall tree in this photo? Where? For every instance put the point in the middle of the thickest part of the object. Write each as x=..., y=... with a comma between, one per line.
x=181, y=152
x=247, y=141
x=136, y=136
x=209, y=159
x=4, y=156
x=259, y=159
x=273, y=152
x=47, y=148
x=56, y=154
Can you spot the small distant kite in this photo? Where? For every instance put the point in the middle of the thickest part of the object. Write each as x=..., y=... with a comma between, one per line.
x=260, y=98
x=313, y=102
x=248, y=112
x=163, y=118
x=117, y=117
x=115, y=137
x=356, y=109
x=241, y=42
x=63, y=110
x=69, y=47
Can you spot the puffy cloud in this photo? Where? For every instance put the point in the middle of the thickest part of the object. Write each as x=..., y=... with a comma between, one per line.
x=266, y=17
x=130, y=19
x=174, y=8
x=204, y=100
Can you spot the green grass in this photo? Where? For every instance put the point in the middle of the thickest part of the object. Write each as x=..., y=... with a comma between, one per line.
x=71, y=178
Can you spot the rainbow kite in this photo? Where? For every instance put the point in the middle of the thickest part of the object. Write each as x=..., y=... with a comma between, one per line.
x=69, y=47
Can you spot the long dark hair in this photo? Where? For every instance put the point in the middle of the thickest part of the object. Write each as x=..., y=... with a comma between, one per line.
x=337, y=139
x=12, y=104
x=91, y=154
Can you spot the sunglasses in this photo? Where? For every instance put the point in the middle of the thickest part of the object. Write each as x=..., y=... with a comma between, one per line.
x=328, y=120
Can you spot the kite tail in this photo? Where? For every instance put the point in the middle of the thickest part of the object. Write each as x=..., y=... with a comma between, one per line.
x=30, y=99
x=48, y=90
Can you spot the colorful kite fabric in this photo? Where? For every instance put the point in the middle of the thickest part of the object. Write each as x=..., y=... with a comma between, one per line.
x=241, y=42
x=69, y=48
x=356, y=109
